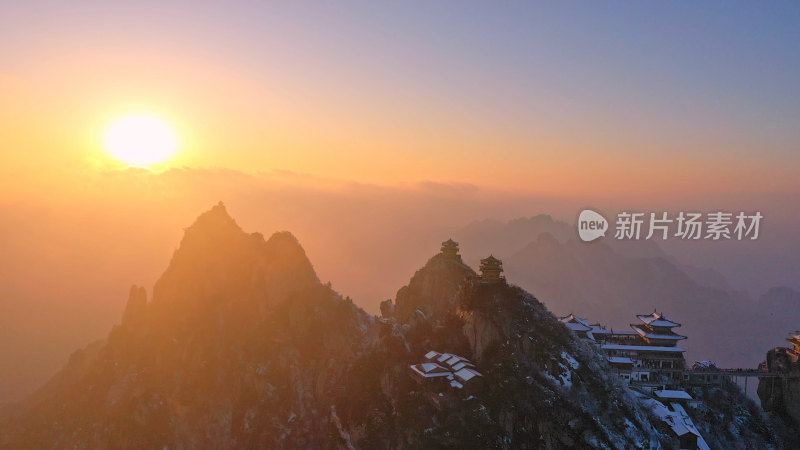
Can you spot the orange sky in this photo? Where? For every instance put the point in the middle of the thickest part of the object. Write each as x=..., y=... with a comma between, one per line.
x=60, y=97
x=53, y=133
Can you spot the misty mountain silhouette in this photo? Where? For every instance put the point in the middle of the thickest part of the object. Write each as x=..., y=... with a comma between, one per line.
x=241, y=346
x=610, y=281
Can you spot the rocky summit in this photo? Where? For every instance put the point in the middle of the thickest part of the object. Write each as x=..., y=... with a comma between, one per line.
x=241, y=346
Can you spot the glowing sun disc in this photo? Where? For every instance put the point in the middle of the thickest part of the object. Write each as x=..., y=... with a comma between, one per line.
x=141, y=140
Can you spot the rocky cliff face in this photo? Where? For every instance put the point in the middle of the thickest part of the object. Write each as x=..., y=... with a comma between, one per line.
x=240, y=346
x=542, y=387
x=542, y=365
x=780, y=396
x=432, y=290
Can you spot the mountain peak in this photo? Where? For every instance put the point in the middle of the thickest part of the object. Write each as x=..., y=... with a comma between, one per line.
x=213, y=236
x=215, y=220
x=217, y=258
x=433, y=288
x=285, y=238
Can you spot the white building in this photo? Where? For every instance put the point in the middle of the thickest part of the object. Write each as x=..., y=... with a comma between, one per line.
x=440, y=368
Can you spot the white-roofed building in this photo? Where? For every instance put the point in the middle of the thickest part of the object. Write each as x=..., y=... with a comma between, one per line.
x=655, y=366
x=671, y=395
x=453, y=360
x=444, y=357
x=657, y=320
x=466, y=374
x=430, y=371
x=458, y=371
x=656, y=329
x=680, y=423
x=624, y=337
x=579, y=326
x=462, y=364
x=432, y=355
x=622, y=365
x=646, y=355
x=598, y=332
x=658, y=362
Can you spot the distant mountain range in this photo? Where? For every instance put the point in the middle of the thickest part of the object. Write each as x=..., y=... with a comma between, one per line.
x=609, y=281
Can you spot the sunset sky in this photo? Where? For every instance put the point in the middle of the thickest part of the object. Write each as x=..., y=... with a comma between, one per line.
x=603, y=99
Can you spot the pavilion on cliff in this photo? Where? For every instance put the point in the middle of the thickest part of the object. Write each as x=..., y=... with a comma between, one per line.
x=450, y=249
x=491, y=269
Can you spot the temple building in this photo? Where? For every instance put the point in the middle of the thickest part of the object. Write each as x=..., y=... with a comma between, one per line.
x=646, y=356
x=652, y=366
x=597, y=334
x=648, y=359
x=491, y=269
x=656, y=329
x=782, y=359
x=579, y=326
x=430, y=371
x=440, y=369
x=450, y=250
x=658, y=363
x=794, y=339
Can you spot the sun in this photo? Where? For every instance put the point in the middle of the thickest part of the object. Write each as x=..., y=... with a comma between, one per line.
x=141, y=140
